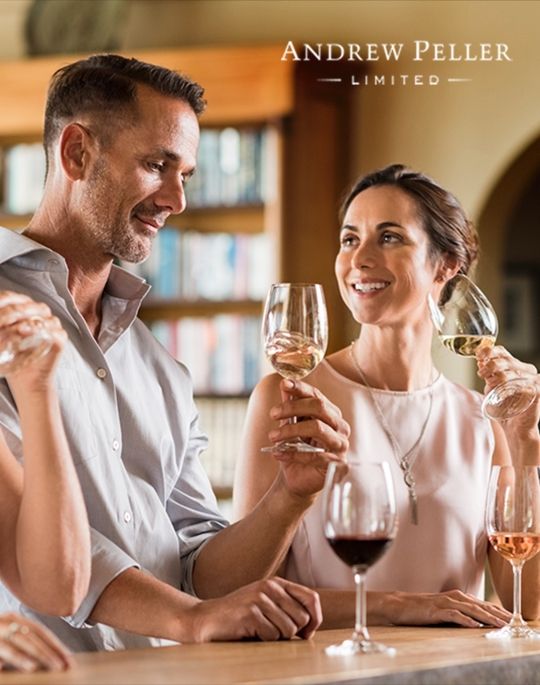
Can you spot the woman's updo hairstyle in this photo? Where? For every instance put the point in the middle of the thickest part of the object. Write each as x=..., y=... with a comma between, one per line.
x=449, y=230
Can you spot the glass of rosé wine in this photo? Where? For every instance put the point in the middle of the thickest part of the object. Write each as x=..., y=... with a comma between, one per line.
x=513, y=528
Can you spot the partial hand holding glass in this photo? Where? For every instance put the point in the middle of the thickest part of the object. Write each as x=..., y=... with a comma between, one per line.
x=295, y=333
x=23, y=335
x=464, y=324
x=513, y=528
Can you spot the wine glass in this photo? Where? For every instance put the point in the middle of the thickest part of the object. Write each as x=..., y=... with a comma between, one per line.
x=513, y=528
x=12, y=346
x=295, y=333
x=465, y=323
x=360, y=523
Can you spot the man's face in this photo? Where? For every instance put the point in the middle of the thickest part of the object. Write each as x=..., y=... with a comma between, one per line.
x=137, y=181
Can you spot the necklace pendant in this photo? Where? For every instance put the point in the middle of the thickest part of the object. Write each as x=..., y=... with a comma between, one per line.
x=413, y=506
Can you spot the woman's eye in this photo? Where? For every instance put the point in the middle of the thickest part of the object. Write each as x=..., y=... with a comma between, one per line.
x=348, y=240
x=390, y=238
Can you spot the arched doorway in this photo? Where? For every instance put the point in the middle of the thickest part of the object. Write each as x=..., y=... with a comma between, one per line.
x=509, y=227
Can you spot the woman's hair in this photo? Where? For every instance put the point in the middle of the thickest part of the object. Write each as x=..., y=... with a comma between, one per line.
x=449, y=230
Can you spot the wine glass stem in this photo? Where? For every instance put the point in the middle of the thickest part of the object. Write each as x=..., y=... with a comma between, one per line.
x=360, y=627
x=517, y=618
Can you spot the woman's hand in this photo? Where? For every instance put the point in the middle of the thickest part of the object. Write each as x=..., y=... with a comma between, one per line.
x=21, y=318
x=28, y=646
x=319, y=422
x=427, y=608
x=495, y=366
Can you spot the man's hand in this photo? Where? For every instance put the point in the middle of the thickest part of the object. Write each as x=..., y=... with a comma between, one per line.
x=270, y=609
x=318, y=422
x=35, y=335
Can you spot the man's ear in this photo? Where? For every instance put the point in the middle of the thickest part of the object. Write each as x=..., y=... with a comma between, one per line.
x=76, y=145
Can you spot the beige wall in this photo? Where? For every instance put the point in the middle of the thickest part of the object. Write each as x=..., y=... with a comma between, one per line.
x=465, y=134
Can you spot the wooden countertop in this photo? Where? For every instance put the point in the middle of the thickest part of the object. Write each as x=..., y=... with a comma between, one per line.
x=424, y=656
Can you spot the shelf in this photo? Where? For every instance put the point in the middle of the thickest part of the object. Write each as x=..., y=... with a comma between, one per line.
x=246, y=219
x=157, y=310
x=224, y=219
x=242, y=85
x=14, y=221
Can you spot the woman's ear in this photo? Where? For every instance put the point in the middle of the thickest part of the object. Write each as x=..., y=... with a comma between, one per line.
x=448, y=267
x=76, y=145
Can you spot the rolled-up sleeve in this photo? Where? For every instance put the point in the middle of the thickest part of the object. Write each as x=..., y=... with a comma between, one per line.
x=108, y=562
x=192, y=507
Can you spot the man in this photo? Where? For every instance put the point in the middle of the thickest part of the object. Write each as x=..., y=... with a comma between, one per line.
x=121, y=140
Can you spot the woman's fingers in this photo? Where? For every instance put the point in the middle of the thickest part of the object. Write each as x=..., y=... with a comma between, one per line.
x=458, y=607
x=28, y=646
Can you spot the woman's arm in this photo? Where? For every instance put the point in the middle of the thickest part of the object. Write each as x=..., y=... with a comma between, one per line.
x=44, y=534
x=517, y=442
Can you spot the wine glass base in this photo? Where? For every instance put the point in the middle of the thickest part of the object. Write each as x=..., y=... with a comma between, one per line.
x=513, y=633
x=292, y=446
x=509, y=399
x=351, y=647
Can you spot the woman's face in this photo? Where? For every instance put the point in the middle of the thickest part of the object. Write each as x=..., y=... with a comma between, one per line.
x=383, y=267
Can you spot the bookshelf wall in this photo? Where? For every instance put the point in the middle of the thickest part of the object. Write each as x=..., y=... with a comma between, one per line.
x=272, y=166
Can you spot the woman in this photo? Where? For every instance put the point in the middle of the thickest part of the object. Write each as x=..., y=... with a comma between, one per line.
x=44, y=534
x=403, y=237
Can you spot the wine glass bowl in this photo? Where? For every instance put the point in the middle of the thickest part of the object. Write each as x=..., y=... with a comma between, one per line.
x=360, y=523
x=513, y=529
x=295, y=335
x=466, y=322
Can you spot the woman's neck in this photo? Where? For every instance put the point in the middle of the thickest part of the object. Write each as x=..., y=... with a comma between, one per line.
x=395, y=359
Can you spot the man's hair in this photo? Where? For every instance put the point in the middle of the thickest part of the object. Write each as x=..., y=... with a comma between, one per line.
x=103, y=85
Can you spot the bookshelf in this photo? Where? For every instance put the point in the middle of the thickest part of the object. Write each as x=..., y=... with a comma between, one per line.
x=288, y=219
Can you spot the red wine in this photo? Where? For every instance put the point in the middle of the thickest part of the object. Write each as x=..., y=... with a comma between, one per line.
x=356, y=551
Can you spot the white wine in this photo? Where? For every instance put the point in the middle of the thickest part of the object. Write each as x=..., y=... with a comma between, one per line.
x=292, y=355
x=466, y=345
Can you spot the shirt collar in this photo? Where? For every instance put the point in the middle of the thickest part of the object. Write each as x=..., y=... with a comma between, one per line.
x=121, y=283
x=13, y=244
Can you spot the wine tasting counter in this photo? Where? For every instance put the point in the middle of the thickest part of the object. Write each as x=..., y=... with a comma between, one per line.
x=425, y=656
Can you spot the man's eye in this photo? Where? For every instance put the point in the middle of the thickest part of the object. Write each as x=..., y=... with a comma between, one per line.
x=156, y=166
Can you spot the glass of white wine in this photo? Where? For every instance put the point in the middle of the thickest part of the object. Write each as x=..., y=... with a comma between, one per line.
x=465, y=323
x=513, y=528
x=295, y=334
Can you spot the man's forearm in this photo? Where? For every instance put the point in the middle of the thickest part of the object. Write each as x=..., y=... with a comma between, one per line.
x=137, y=602
x=252, y=548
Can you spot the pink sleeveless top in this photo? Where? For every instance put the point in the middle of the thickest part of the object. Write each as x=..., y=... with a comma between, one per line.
x=447, y=549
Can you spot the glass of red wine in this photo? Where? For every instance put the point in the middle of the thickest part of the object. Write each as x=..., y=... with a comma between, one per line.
x=360, y=523
x=513, y=528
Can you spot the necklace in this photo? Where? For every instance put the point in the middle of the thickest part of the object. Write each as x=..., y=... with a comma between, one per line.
x=405, y=460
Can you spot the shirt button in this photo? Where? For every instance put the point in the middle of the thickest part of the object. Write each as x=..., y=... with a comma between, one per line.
x=115, y=445
x=127, y=516
x=101, y=373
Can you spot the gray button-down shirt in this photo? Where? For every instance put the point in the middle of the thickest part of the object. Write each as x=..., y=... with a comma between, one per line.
x=132, y=426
